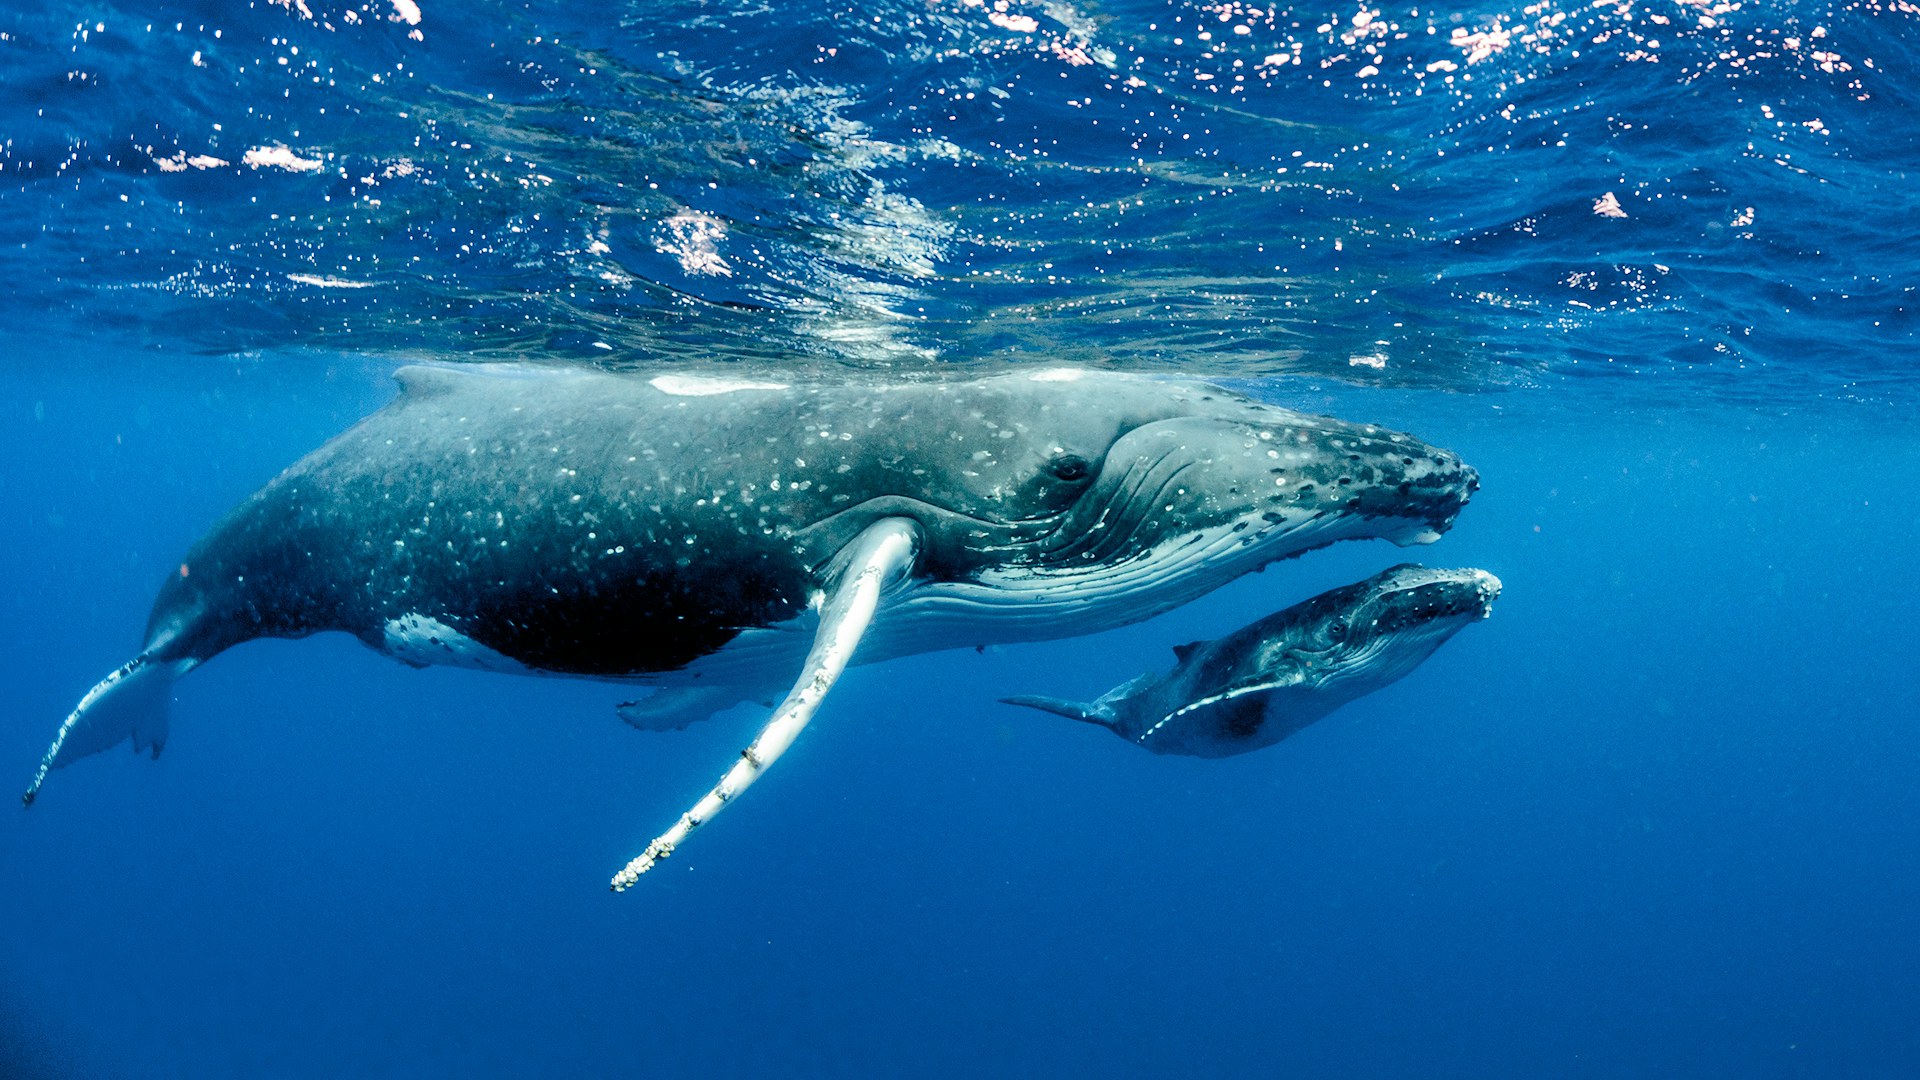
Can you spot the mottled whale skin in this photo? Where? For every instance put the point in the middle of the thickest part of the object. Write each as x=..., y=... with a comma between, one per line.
x=712, y=537
x=1271, y=678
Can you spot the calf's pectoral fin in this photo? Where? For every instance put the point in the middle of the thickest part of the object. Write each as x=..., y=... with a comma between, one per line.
x=1089, y=711
x=1099, y=712
x=130, y=703
x=879, y=558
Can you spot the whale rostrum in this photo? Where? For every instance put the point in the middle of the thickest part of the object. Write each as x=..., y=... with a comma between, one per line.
x=709, y=537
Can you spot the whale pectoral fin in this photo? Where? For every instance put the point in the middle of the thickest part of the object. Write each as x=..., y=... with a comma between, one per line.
x=1101, y=711
x=672, y=708
x=1088, y=711
x=879, y=558
x=130, y=703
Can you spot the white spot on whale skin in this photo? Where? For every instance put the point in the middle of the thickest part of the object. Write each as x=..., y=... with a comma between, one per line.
x=423, y=640
x=1056, y=375
x=702, y=386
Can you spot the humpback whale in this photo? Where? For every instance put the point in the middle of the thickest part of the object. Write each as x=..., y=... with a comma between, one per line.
x=714, y=538
x=1271, y=678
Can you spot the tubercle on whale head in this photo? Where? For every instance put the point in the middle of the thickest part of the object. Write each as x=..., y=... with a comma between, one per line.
x=1422, y=592
x=1396, y=617
x=1425, y=490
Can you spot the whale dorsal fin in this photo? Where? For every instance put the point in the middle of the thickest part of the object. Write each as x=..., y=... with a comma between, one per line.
x=1181, y=652
x=421, y=381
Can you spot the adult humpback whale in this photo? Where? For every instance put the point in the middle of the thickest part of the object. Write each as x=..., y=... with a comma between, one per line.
x=1273, y=677
x=704, y=535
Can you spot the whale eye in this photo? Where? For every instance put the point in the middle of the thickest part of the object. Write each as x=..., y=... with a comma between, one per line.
x=1070, y=467
x=1337, y=630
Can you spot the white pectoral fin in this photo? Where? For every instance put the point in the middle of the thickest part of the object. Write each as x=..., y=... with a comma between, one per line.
x=879, y=558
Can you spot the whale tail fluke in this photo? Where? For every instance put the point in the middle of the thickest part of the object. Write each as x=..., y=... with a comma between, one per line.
x=131, y=703
x=1093, y=712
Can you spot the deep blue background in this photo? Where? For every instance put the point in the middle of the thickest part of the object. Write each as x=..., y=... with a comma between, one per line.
x=1656, y=816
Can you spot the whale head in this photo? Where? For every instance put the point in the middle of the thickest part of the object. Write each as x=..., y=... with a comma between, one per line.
x=1367, y=635
x=1112, y=498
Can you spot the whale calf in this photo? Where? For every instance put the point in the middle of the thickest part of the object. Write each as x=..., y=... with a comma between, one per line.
x=720, y=539
x=1271, y=678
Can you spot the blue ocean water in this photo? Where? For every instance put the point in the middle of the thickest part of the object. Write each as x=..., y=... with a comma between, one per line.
x=1645, y=265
